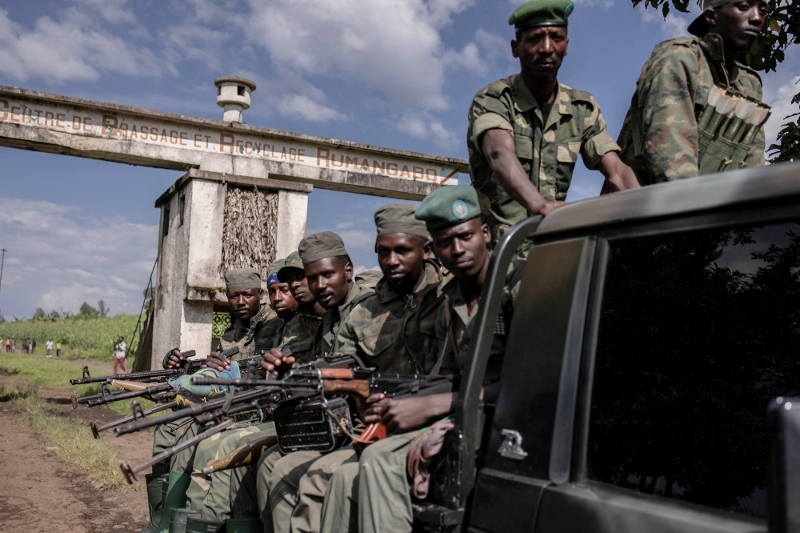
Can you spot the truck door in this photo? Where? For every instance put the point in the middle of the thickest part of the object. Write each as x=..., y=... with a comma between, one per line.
x=692, y=329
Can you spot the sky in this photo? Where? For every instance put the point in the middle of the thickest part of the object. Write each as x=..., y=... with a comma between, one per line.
x=395, y=73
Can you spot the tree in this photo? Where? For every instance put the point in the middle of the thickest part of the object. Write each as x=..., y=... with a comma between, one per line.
x=39, y=314
x=2, y=319
x=54, y=315
x=102, y=309
x=781, y=30
x=87, y=311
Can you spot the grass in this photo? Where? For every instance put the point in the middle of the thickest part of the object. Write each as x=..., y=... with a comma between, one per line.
x=68, y=440
x=55, y=374
x=81, y=338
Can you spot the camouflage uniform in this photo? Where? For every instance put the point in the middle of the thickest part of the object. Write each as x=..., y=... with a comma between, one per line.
x=394, y=333
x=262, y=332
x=547, y=147
x=300, y=336
x=672, y=88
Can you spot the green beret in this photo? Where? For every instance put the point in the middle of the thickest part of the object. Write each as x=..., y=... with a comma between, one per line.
x=448, y=206
x=399, y=218
x=319, y=246
x=541, y=13
x=292, y=261
x=699, y=26
x=242, y=278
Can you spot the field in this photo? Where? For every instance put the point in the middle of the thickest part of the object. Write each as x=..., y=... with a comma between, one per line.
x=81, y=338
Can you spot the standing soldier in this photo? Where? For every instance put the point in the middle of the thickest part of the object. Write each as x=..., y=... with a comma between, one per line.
x=696, y=110
x=526, y=131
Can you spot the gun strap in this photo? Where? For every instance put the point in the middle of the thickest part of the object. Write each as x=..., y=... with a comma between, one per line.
x=448, y=317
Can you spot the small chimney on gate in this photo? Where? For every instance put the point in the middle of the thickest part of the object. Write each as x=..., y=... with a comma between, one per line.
x=233, y=96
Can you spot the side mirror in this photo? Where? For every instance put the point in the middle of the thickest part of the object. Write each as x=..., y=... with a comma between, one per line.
x=783, y=430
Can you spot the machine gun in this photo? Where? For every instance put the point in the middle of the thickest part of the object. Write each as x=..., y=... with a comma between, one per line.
x=138, y=413
x=134, y=384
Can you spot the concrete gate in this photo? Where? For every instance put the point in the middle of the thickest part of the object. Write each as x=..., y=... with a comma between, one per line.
x=226, y=163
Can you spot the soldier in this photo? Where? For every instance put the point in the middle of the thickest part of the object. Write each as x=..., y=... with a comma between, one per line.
x=252, y=330
x=526, y=131
x=460, y=242
x=393, y=330
x=677, y=126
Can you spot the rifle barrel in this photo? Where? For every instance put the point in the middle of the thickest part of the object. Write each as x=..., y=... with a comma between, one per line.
x=125, y=419
x=117, y=396
x=130, y=472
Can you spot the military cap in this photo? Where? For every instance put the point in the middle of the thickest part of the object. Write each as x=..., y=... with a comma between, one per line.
x=242, y=278
x=272, y=272
x=292, y=261
x=449, y=206
x=699, y=26
x=541, y=13
x=319, y=246
x=399, y=218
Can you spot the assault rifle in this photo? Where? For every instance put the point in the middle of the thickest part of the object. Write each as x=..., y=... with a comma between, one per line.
x=138, y=413
x=132, y=383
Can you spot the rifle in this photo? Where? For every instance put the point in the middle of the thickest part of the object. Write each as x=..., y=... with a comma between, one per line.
x=137, y=414
x=244, y=455
x=130, y=472
x=128, y=381
x=150, y=375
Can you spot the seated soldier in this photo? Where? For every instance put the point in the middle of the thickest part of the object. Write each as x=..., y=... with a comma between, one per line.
x=393, y=330
x=375, y=495
x=254, y=328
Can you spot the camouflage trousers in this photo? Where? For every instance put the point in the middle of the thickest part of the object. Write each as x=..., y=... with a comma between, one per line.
x=169, y=434
x=290, y=488
x=211, y=493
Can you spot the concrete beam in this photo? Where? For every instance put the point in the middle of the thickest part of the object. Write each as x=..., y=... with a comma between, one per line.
x=52, y=123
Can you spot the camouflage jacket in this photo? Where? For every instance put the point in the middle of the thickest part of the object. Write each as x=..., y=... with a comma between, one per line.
x=454, y=324
x=334, y=317
x=547, y=147
x=300, y=336
x=261, y=333
x=395, y=333
x=672, y=89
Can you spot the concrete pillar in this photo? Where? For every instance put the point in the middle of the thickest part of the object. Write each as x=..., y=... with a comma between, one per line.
x=189, y=281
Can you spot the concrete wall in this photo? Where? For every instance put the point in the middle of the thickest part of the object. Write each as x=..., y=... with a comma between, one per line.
x=292, y=215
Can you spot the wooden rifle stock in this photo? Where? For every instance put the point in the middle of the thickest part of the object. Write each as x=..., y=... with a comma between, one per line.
x=244, y=455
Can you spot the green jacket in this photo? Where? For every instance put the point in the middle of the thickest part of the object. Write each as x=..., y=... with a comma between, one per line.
x=300, y=336
x=261, y=333
x=395, y=333
x=547, y=147
x=335, y=316
x=672, y=88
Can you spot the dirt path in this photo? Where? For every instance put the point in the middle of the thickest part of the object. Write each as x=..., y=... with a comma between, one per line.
x=39, y=495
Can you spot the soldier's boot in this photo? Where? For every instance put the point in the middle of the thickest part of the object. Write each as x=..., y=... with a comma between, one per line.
x=155, y=492
x=198, y=525
x=178, y=519
x=243, y=525
x=174, y=498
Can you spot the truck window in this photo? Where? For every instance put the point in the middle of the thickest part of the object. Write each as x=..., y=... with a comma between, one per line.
x=698, y=331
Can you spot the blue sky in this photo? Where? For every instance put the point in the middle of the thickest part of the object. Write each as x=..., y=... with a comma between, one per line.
x=384, y=72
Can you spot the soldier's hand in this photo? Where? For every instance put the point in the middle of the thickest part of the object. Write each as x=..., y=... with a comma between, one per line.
x=276, y=361
x=408, y=414
x=175, y=359
x=217, y=362
x=548, y=207
x=371, y=410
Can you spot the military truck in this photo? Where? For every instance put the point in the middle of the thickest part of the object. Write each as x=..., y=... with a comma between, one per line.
x=653, y=332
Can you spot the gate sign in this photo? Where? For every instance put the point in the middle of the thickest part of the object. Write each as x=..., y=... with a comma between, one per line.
x=31, y=119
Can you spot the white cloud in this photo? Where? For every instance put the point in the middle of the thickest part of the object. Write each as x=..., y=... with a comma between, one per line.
x=60, y=256
x=780, y=99
x=675, y=25
x=493, y=45
x=392, y=47
x=72, y=48
x=423, y=125
x=112, y=11
x=468, y=59
x=301, y=106
x=345, y=225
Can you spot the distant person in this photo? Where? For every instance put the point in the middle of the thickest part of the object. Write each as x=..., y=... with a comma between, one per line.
x=119, y=355
x=58, y=349
x=13, y=345
x=26, y=346
x=8, y=344
x=49, y=347
x=33, y=345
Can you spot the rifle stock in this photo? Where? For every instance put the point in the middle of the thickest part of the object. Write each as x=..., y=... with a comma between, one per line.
x=244, y=455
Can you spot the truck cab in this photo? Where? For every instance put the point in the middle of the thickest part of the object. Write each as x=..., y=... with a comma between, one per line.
x=651, y=331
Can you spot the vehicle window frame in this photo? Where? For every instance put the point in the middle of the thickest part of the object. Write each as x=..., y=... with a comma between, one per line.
x=761, y=214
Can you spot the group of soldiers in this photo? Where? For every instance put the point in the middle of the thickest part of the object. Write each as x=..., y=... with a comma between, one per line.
x=696, y=110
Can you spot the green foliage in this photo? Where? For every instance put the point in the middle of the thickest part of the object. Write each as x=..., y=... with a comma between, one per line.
x=87, y=311
x=80, y=338
x=781, y=30
x=102, y=310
